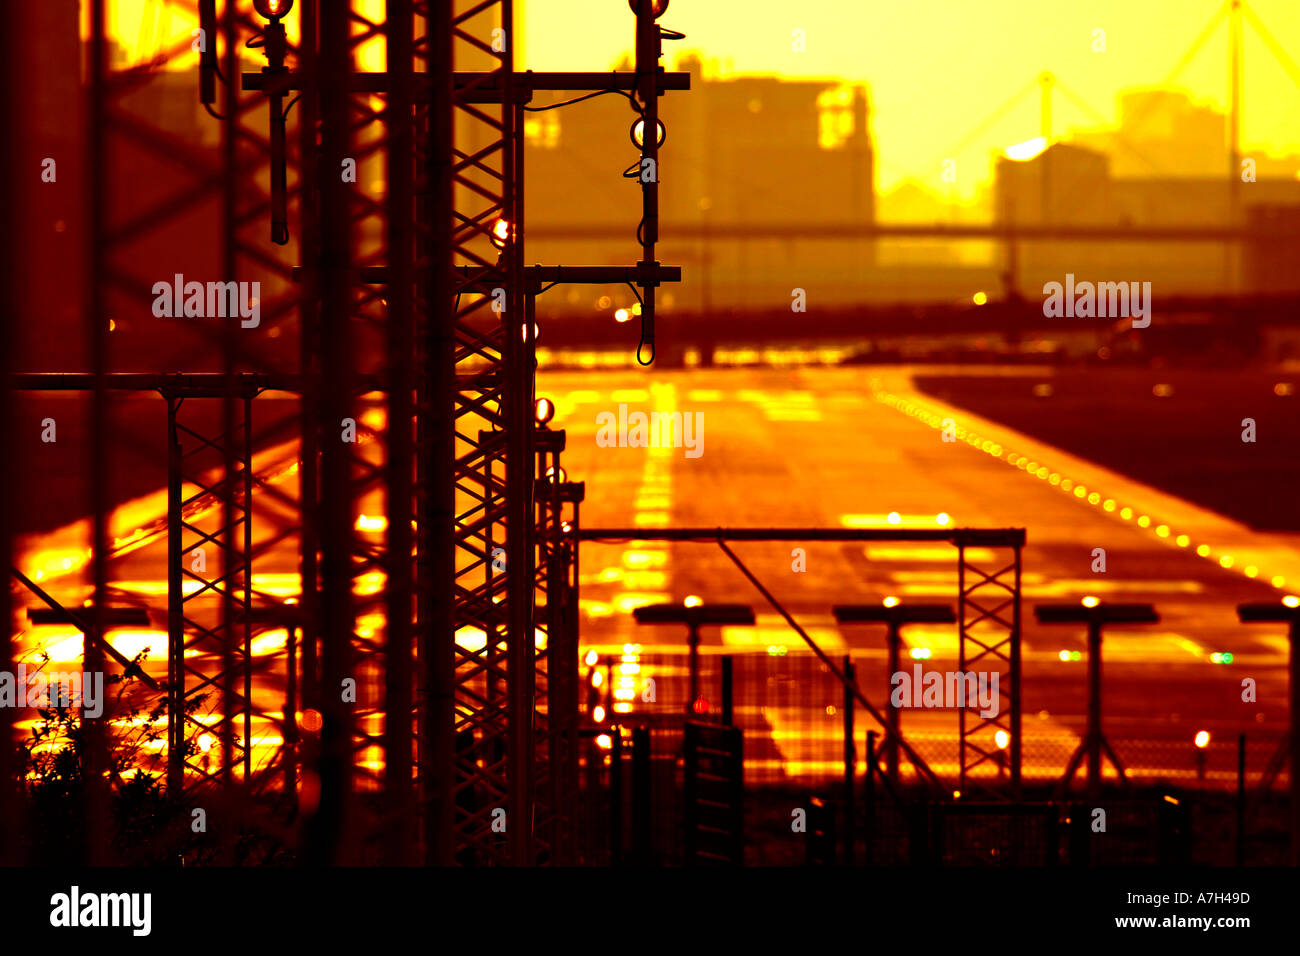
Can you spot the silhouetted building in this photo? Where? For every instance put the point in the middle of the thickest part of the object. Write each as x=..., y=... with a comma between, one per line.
x=1163, y=133
x=747, y=151
x=1070, y=185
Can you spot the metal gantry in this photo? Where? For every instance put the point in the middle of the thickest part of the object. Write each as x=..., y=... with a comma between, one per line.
x=988, y=619
x=414, y=697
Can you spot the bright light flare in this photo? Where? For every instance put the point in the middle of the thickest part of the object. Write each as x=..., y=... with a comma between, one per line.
x=501, y=233
x=1021, y=152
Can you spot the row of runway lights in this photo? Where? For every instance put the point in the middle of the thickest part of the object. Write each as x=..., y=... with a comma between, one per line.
x=624, y=690
x=1068, y=485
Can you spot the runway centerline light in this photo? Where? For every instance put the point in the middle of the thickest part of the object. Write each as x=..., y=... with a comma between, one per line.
x=693, y=600
x=1091, y=601
x=891, y=601
x=1291, y=601
x=1202, y=738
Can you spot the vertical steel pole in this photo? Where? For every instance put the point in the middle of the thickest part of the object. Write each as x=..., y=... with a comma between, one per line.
x=309, y=346
x=246, y=466
x=15, y=60
x=400, y=804
x=175, y=609
x=291, y=717
x=436, y=524
x=330, y=841
x=520, y=461
x=232, y=562
x=1015, y=686
x=98, y=175
x=962, y=608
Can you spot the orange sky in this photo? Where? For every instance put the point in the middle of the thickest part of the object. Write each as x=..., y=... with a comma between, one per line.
x=936, y=68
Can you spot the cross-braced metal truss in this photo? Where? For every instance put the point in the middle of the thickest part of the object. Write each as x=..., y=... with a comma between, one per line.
x=989, y=622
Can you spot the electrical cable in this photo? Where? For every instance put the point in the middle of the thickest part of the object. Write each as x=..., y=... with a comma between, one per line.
x=576, y=99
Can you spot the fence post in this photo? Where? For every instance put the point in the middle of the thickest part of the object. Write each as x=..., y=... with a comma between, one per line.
x=1080, y=835
x=728, y=714
x=641, y=796
x=850, y=760
x=1172, y=849
x=615, y=794
x=869, y=799
x=1241, y=800
x=690, y=781
x=821, y=832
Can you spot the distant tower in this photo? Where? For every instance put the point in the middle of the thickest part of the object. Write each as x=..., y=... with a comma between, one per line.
x=862, y=196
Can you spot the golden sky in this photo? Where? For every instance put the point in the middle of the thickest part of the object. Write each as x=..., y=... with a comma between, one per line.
x=936, y=69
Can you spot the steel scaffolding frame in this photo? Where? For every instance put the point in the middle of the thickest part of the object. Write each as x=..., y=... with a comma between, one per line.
x=988, y=619
x=429, y=278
